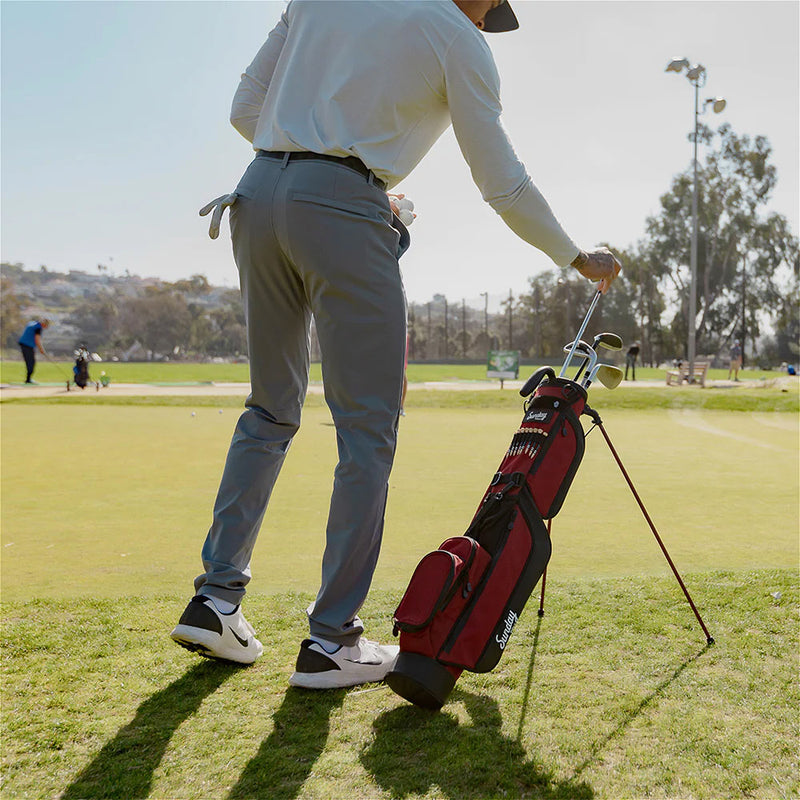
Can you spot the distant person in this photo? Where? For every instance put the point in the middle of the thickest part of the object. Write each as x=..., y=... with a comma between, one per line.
x=30, y=342
x=630, y=360
x=736, y=360
x=341, y=102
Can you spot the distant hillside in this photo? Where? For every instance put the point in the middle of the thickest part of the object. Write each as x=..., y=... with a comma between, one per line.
x=114, y=313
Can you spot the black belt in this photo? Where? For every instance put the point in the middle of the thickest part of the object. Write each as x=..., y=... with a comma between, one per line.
x=351, y=162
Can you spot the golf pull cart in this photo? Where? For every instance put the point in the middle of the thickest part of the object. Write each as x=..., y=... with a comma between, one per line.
x=464, y=598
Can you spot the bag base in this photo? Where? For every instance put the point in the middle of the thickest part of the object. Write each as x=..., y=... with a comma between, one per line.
x=422, y=680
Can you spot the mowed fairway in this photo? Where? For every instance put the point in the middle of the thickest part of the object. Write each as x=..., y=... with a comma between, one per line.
x=115, y=500
x=612, y=694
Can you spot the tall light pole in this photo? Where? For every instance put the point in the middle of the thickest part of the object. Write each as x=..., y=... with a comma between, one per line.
x=696, y=75
x=485, y=296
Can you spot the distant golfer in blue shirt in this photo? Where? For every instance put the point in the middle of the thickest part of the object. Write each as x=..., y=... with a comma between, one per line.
x=30, y=341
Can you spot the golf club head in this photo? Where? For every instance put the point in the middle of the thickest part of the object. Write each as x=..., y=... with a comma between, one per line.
x=610, y=341
x=587, y=353
x=608, y=375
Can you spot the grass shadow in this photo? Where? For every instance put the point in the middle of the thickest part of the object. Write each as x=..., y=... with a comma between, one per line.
x=285, y=759
x=125, y=766
x=630, y=716
x=414, y=751
x=529, y=680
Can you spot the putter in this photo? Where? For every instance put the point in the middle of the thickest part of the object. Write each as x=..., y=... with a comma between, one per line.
x=608, y=375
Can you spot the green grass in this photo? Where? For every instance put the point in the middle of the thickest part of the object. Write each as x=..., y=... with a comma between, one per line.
x=613, y=694
x=177, y=373
x=129, y=490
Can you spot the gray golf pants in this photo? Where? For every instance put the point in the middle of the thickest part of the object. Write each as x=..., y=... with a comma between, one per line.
x=314, y=237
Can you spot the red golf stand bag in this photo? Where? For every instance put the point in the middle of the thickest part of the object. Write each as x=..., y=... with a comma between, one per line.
x=464, y=599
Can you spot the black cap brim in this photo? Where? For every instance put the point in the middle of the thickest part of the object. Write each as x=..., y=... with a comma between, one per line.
x=500, y=19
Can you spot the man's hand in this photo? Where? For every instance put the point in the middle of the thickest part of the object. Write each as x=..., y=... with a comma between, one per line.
x=598, y=265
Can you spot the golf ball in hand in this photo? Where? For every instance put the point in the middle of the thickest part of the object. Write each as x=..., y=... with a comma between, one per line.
x=405, y=216
x=404, y=203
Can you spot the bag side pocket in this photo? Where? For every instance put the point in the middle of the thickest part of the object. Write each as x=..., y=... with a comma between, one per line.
x=430, y=587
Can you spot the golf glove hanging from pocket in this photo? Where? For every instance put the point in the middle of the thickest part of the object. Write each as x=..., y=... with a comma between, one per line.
x=219, y=205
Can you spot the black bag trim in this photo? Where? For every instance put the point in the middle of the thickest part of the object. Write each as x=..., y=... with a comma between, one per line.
x=463, y=575
x=529, y=576
x=455, y=631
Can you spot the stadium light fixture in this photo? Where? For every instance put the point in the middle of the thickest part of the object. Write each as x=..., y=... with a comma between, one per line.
x=719, y=104
x=677, y=64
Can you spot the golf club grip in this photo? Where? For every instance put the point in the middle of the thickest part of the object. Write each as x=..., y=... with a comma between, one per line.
x=536, y=379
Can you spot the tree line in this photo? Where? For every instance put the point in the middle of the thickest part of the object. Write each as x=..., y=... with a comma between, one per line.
x=747, y=278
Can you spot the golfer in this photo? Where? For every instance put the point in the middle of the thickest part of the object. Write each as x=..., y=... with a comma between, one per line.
x=736, y=360
x=340, y=104
x=630, y=359
x=30, y=342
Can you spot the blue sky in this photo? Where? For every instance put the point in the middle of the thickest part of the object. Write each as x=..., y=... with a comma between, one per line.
x=115, y=131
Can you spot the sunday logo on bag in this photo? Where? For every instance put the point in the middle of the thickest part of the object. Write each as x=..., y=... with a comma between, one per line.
x=511, y=621
x=539, y=415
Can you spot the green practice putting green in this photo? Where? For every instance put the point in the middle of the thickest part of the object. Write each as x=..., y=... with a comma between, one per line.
x=114, y=501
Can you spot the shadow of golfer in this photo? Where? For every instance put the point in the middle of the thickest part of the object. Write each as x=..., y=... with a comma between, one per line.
x=125, y=766
x=414, y=750
x=285, y=759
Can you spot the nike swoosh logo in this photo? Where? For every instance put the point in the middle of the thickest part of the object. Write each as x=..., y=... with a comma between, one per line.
x=242, y=642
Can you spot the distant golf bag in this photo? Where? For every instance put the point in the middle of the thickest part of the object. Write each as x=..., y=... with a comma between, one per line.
x=81, y=368
x=464, y=599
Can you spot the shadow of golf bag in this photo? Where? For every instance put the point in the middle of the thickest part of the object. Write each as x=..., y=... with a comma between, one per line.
x=464, y=599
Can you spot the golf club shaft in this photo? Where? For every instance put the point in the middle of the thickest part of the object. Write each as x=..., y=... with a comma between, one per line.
x=56, y=365
x=580, y=369
x=579, y=335
x=709, y=637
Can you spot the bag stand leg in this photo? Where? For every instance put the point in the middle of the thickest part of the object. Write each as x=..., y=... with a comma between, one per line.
x=599, y=423
x=596, y=417
x=544, y=577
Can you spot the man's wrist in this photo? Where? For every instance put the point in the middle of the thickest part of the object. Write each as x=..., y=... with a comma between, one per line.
x=580, y=260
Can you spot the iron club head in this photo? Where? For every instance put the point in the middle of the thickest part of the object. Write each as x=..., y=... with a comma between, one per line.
x=610, y=341
x=608, y=375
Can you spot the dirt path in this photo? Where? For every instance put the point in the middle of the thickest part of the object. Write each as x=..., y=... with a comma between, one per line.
x=13, y=390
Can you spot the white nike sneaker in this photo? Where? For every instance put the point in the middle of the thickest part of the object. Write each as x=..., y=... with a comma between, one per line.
x=207, y=631
x=363, y=662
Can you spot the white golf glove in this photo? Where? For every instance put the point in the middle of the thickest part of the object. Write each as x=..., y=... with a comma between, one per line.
x=219, y=205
